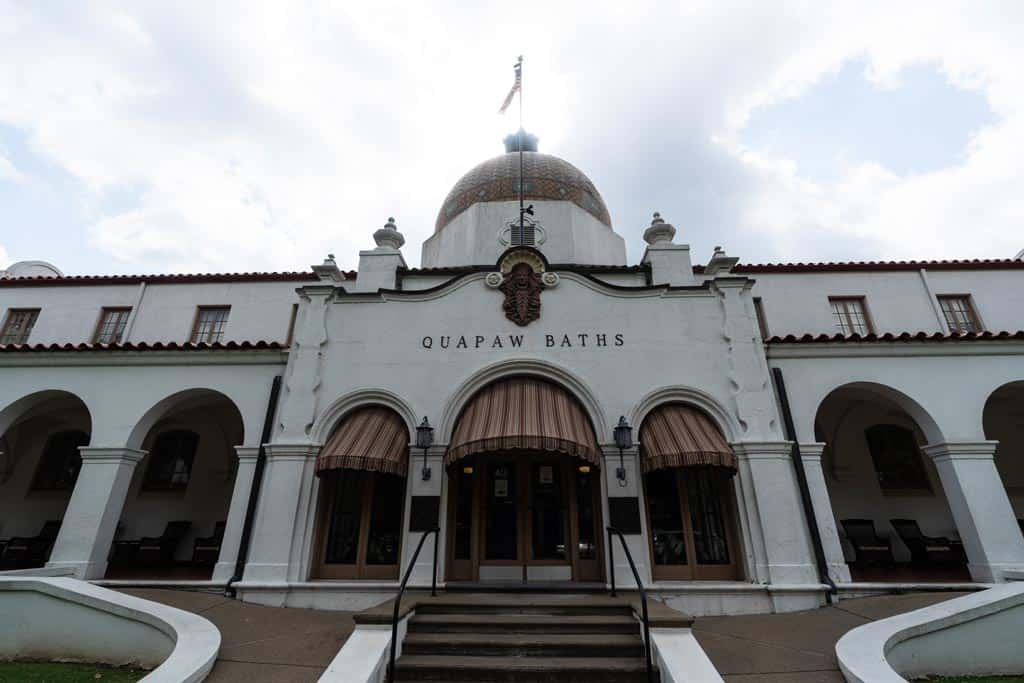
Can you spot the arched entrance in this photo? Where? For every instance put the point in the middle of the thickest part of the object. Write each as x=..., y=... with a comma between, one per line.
x=691, y=510
x=362, y=470
x=524, y=476
x=890, y=508
x=1003, y=421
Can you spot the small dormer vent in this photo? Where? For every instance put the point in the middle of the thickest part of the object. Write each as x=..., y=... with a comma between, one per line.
x=530, y=235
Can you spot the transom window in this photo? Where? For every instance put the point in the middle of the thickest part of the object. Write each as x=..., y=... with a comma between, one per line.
x=959, y=314
x=61, y=461
x=897, y=458
x=210, y=324
x=850, y=314
x=111, y=326
x=170, y=461
x=18, y=325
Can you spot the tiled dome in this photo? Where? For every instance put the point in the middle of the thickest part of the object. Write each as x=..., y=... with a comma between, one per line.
x=547, y=177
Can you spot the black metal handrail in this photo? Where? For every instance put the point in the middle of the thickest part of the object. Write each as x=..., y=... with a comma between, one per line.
x=640, y=586
x=401, y=591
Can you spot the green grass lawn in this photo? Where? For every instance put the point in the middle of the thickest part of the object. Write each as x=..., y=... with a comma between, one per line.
x=975, y=679
x=46, y=672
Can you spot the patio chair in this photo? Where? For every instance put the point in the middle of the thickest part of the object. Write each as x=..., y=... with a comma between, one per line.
x=157, y=550
x=870, y=548
x=927, y=551
x=207, y=550
x=31, y=551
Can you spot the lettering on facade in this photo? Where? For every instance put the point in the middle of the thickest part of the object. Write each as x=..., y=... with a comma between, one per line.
x=564, y=340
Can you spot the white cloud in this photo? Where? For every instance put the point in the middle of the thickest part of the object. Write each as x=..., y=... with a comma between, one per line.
x=8, y=172
x=240, y=135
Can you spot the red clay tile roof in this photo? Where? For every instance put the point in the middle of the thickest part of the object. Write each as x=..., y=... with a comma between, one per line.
x=895, y=337
x=146, y=346
x=172, y=278
x=855, y=266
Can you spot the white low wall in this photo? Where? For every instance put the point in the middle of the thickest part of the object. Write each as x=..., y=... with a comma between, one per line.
x=65, y=619
x=680, y=657
x=972, y=635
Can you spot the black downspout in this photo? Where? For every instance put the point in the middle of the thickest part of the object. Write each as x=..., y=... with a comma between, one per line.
x=801, y=480
x=254, y=490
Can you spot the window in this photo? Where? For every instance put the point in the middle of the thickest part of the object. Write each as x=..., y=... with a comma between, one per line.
x=210, y=323
x=850, y=315
x=959, y=313
x=762, y=321
x=111, y=326
x=18, y=325
x=61, y=461
x=897, y=458
x=170, y=462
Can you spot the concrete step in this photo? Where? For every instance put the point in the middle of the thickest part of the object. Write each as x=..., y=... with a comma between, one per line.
x=522, y=623
x=490, y=669
x=539, y=607
x=524, y=644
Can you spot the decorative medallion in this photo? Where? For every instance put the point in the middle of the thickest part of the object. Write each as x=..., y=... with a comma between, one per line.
x=521, y=279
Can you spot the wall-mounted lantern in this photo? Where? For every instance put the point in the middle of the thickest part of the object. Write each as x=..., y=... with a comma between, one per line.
x=624, y=440
x=424, y=440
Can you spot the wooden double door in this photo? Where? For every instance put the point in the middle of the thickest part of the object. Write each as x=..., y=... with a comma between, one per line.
x=524, y=516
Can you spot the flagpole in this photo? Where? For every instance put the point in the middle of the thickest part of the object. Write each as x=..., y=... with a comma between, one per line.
x=522, y=179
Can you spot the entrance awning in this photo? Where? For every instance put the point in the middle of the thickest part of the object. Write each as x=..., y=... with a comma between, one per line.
x=523, y=413
x=677, y=435
x=374, y=439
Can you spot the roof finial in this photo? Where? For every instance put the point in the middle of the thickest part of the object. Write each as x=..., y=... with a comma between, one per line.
x=659, y=231
x=388, y=237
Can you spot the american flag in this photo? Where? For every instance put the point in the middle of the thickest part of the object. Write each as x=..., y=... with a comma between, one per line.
x=515, y=86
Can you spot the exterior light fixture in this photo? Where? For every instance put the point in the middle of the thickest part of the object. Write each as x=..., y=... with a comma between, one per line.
x=424, y=440
x=467, y=470
x=584, y=469
x=624, y=440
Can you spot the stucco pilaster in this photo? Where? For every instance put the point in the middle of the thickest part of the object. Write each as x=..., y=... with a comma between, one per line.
x=787, y=543
x=91, y=518
x=977, y=498
x=225, y=568
x=281, y=512
x=629, y=495
x=810, y=455
x=305, y=363
x=432, y=488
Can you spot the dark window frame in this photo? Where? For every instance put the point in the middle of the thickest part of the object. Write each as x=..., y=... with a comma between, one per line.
x=58, y=479
x=845, y=315
x=968, y=309
x=120, y=326
x=26, y=332
x=208, y=336
x=905, y=470
x=160, y=477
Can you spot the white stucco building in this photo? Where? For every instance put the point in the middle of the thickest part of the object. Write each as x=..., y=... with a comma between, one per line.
x=128, y=402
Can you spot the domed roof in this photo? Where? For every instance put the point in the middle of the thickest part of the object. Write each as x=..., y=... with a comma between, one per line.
x=547, y=177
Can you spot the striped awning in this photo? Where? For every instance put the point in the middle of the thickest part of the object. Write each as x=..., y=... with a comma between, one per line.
x=678, y=435
x=374, y=438
x=527, y=414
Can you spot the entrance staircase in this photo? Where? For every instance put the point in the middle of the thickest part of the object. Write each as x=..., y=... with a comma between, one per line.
x=495, y=637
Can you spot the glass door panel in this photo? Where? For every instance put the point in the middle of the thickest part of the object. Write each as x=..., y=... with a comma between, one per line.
x=385, y=535
x=345, y=517
x=710, y=542
x=501, y=513
x=548, y=524
x=585, y=516
x=668, y=536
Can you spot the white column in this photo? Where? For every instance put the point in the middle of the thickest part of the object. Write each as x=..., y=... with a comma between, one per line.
x=980, y=507
x=638, y=544
x=229, y=546
x=90, y=520
x=274, y=532
x=810, y=454
x=422, y=573
x=787, y=542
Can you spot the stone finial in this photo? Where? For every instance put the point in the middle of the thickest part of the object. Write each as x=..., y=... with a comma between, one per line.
x=328, y=271
x=388, y=237
x=720, y=263
x=660, y=231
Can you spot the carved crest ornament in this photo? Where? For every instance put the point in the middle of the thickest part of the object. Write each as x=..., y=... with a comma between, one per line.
x=521, y=278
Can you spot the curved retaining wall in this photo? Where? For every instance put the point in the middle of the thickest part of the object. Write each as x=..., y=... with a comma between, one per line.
x=966, y=636
x=69, y=620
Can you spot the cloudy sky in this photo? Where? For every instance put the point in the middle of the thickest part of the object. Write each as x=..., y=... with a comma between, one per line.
x=225, y=136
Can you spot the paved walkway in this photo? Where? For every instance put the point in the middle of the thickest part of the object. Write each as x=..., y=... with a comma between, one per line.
x=258, y=644
x=797, y=647
x=296, y=645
